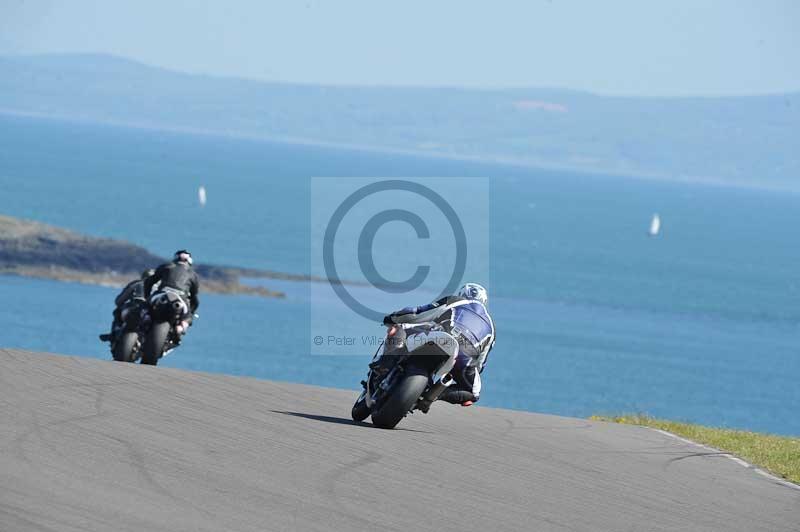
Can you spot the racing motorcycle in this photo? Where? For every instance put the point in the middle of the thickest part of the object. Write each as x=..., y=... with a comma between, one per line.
x=418, y=372
x=167, y=323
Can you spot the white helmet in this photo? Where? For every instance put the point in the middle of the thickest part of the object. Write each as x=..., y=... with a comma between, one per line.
x=474, y=291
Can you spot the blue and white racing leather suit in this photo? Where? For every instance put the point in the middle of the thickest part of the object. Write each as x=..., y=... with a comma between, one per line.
x=470, y=322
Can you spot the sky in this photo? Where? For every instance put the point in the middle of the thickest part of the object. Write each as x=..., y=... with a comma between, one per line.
x=671, y=48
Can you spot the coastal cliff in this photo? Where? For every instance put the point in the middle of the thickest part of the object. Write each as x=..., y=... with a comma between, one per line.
x=34, y=249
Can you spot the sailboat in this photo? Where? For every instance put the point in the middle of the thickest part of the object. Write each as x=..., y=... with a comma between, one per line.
x=201, y=196
x=655, y=225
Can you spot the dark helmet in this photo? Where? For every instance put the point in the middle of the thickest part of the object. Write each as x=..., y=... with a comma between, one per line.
x=182, y=256
x=147, y=273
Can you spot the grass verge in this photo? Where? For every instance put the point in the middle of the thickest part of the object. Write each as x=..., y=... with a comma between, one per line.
x=778, y=454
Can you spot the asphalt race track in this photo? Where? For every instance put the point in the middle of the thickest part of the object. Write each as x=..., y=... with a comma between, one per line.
x=103, y=446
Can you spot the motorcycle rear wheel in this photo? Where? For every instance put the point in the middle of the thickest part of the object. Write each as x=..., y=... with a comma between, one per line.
x=403, y=398
x=155, y=342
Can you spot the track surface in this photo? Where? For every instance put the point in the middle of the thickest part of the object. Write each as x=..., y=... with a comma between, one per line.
x=94, y=445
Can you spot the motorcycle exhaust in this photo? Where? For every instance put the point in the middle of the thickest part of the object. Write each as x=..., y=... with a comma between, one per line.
x=436, y=390
x=447, y=380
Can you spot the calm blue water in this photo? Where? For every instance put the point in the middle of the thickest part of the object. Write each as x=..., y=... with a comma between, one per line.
x=593, y=316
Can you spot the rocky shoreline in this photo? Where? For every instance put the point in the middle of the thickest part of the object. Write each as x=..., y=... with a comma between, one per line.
x=33, y=249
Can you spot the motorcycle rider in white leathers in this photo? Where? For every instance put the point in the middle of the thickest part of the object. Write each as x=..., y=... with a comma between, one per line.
x=465, y=316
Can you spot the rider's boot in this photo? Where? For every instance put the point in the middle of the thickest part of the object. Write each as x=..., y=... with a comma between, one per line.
x=457, y=396
x=115, y=325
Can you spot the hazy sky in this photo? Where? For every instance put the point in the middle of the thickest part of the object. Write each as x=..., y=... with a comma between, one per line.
x=635, y=47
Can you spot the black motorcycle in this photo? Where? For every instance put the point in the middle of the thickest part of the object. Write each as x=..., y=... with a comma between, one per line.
x=167, y=316
x=406, y=374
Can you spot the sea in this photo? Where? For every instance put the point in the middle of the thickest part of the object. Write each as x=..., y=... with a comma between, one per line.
x=594, y=316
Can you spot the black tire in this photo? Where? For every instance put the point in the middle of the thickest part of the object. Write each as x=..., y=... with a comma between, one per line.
x=404, y=396
x=360, y=410
x=155, y=342
x=124, y=347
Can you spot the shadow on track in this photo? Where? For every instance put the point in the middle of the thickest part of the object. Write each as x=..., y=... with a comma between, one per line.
x=338, y=420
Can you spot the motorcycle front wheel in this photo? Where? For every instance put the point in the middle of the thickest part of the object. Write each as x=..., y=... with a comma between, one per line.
x=360, y=410
x=125, y=347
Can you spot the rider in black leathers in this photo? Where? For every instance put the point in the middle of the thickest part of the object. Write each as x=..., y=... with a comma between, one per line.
x=177, y=275
x=129, y=299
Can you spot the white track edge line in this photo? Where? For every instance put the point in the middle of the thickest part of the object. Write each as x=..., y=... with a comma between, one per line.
x=730, y=456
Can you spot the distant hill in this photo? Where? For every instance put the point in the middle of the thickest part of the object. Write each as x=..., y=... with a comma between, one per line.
x=745, y=140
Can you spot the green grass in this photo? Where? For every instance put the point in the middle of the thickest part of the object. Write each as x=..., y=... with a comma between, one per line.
x=778, y=454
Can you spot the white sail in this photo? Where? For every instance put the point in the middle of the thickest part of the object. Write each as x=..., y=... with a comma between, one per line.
x=201, y=196
x=655, y=225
